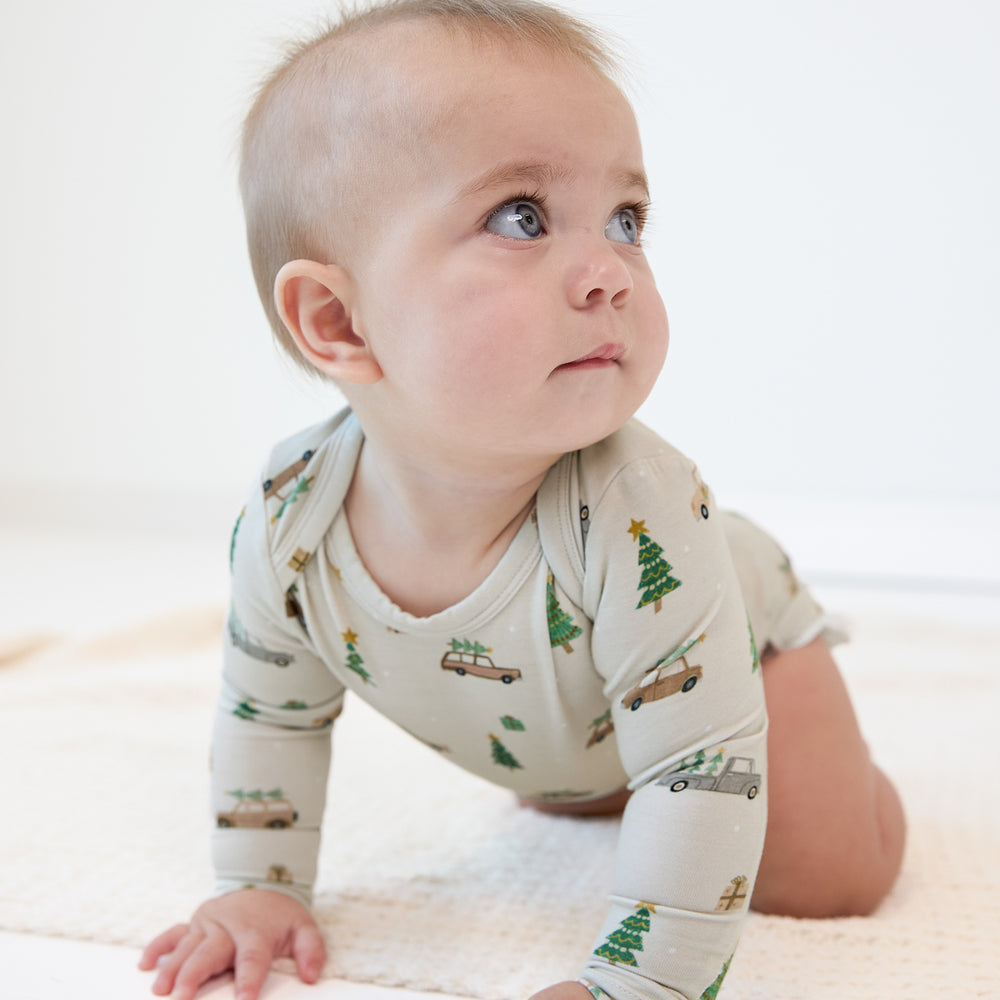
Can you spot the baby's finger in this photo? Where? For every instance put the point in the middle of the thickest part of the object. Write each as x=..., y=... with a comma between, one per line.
x=212, y=956
x=162, y=944
x=309, y=952
x=169, y=965
x=253, y=961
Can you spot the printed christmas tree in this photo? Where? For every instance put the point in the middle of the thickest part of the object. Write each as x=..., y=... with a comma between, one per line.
x=232, y=541
x=626, y=939
x=753, y=648
x=502, y=756
x=246, y=709
x=656, y=581
x=713, y=991
x=257, y=795
x=692, y=763
x=354, y=661
x=696, y=764
x=465, y=646
x=302, y=486
x=562, y=628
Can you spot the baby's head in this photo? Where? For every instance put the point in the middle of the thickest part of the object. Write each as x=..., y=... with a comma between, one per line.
x=338, y=117
x=444, y=203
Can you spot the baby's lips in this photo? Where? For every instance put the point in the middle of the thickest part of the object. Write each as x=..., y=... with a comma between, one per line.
x=606, y=352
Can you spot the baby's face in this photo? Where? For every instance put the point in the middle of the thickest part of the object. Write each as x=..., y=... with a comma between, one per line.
x=505, y=292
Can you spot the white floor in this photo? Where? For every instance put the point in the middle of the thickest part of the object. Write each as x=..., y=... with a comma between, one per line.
x=37, y=968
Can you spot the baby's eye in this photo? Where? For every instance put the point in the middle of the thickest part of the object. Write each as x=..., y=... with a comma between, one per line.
x=624, y=226
x=520, y=220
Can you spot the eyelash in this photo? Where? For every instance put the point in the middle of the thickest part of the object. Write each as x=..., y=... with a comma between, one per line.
x=536, y=199
x=640, y=209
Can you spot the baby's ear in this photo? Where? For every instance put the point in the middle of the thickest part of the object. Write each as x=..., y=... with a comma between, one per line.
x=314, y=302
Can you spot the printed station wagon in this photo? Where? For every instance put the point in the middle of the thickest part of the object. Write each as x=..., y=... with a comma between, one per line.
x=663, y=682
x=479, y=666
x=276, y=814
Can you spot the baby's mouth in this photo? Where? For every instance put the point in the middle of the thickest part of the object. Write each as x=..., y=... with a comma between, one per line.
x=601, y=357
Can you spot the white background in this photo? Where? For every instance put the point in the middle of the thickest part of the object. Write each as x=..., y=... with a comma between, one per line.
x=826, y=235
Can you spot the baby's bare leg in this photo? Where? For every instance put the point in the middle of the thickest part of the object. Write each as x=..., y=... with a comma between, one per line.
x=835, y=828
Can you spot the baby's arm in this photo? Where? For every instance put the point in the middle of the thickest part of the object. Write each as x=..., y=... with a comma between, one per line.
x=672, y=640
x=270, y=762
x=265, y=870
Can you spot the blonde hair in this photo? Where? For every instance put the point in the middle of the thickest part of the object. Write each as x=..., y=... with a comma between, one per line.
x=324, y=120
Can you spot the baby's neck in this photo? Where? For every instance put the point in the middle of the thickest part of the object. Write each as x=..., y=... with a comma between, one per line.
x=429, y=537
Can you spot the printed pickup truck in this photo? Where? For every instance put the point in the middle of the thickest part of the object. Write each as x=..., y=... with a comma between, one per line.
x=737, y=777
x=241, y=639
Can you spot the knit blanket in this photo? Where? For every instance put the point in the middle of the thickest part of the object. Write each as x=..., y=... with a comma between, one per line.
x=433, y=879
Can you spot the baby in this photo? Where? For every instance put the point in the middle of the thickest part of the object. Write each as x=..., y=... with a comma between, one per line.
x=445, y=203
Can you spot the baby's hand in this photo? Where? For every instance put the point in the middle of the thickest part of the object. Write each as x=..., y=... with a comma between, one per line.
x=568, y=990
x=244, y=931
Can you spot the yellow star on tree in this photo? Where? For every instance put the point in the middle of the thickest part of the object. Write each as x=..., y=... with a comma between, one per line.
x=638, y=528
x=349, y=636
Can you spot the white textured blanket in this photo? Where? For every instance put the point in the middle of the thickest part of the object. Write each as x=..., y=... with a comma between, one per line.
x=433, y=879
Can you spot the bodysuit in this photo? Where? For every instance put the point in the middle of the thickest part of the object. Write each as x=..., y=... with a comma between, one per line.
x=614, y=644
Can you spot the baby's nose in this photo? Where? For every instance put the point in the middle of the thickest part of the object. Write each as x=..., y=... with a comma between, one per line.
x=600, y=276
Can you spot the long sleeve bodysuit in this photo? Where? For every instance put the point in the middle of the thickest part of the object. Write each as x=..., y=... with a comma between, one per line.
x=611, y=646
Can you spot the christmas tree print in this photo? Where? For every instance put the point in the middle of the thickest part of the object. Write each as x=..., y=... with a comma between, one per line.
x=302, y=486
x=232, y=541
x=561, y=625
x=697, y=764
x=792, y=580
x=502, y=756
x=465, y=646
x=656, y=581
x=713, y=991
x=627, y=937
x=692, y=763
x=679, y=652
x=354, y=661
x=246, y=710
x=257, y=795
x=753, y=648
x=512, y=724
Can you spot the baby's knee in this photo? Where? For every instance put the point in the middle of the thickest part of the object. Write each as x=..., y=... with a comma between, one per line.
x=845, y=874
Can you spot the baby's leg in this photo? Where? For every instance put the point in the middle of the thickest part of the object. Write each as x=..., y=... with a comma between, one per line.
x=835, y=828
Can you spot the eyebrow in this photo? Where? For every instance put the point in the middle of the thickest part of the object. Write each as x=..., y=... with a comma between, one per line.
x=540, y=174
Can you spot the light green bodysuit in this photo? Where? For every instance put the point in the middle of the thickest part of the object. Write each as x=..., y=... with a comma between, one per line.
x=611, y=646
